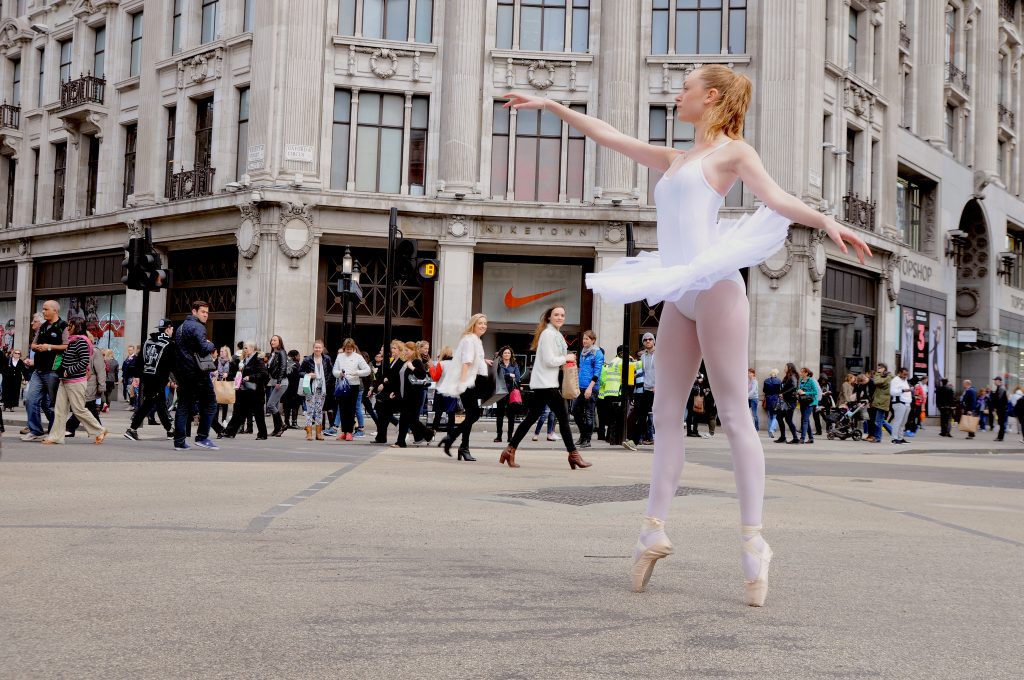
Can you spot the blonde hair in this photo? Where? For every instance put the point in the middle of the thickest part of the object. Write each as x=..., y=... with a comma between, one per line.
x=471, y=326
x=774, y=373
x=446, y=353
x=730, y=109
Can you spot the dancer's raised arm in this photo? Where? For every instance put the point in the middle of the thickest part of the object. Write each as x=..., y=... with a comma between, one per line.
x=748, y=167
x=656, y=157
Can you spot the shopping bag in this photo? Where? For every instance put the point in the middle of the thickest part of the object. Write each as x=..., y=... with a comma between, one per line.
x=968, y=423
x=570, y=381
x=698, y=404
x=224, y=391
x=306, y=386
x=495, y=382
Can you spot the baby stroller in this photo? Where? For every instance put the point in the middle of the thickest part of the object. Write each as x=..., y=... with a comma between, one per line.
x=843, y=422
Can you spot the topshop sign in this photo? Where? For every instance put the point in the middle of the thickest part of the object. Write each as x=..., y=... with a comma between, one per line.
x=916, y=271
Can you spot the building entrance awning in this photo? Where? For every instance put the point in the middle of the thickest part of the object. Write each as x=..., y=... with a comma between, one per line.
x=972, y=339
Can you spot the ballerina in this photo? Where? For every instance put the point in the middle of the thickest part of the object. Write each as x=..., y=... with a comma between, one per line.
x=697, y=271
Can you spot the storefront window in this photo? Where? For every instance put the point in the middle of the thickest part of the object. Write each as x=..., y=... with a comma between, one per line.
x=847, y=323
x=1011, y=358
x=103, y=314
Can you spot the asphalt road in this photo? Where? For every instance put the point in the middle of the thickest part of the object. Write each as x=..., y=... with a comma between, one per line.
x=351, y=560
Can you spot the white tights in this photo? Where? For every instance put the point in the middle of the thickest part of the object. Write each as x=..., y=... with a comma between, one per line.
x=720, y=333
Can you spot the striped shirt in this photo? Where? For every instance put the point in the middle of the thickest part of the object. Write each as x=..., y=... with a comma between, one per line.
x=76, y=359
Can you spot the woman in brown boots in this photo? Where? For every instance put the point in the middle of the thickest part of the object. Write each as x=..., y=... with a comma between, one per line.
x=552, y=354
x=317, y=366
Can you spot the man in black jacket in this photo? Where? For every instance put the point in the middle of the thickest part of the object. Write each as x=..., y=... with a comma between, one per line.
x=194, y=385
x=945, y=400
x=998, y=402
x=157, y=362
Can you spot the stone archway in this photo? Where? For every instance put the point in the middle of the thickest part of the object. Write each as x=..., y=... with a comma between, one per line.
x=974, y=290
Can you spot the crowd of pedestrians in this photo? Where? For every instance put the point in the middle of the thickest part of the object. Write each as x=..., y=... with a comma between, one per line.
x=178, y=369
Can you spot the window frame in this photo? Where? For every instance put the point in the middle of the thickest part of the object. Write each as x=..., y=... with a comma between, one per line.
x=666, y=18
x=60, y=153
x=12, y=173
x=379, y=126
x=16, y=82
x=242, y=133
x=202, y=156
x=214, y=10
x=92, y=175
x=908, y=212
x=176, y=25
x=68, y=47
x=1015, y=244
x=99, y=53
x=509, y=25
x=169, y=144
x=135, y=45
x=131, y=139
x=418, y=18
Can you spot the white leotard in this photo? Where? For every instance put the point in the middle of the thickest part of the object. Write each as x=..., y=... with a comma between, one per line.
x=696, y=250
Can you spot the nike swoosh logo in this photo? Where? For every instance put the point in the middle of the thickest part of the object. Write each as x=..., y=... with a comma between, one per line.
x=511, y=301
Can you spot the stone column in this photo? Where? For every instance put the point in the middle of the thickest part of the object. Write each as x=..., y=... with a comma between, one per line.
x=152, y=134
x=454, y=304
x=23, y=303
x=285, y=99
x=608, y=316
x=929, y=40
x=985, y=93
x=619, y=75
x=462, y=72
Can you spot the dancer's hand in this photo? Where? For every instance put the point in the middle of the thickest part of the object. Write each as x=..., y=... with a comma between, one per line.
x=840, y=233
x=523, y=101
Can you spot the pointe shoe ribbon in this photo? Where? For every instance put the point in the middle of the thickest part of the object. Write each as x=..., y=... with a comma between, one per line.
x=645, y=556
x=756, y=589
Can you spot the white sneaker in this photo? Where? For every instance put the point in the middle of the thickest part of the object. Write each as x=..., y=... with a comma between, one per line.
x=552, y=438
x=536, y=437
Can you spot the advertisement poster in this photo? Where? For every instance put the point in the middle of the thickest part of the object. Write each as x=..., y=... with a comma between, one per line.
x=519, y=293
x=937, y=363
x=7, y=319
x=919, y=353
x=104, y=319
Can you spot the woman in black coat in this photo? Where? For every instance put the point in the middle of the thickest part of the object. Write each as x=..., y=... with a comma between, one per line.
x=414, y=380
x=250, y=396
x=15, y=371
x=389, y=391
x=790, y=385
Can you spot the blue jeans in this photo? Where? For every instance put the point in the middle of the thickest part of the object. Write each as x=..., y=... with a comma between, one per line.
x=194, y=390
x=805, y=423
x=546, y=413
x=753, y=412
x=40, y=396
x=880, y=423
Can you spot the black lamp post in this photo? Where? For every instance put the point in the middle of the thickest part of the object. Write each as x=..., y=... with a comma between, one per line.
x=348, y=287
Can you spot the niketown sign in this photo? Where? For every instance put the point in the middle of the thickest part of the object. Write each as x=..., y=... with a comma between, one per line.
x=541, y=231
x=518, y=293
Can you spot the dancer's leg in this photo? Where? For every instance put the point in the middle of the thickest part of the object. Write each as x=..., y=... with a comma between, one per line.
x=723, y=326
x=679, y=367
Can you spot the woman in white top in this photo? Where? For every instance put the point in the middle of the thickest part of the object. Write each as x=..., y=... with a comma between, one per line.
x=545, y=390
x=470, y=370
x=349, y=366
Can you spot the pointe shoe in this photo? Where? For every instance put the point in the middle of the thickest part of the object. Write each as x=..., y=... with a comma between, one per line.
x=508, y=456
x=644, y=556
x=757, y=589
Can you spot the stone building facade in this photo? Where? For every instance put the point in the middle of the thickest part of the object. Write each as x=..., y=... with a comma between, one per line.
x=261, y=138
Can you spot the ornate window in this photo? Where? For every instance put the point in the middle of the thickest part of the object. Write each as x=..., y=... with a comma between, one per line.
x=546, y=162
x=135, y=64
x=209, y=26
x=242, y=137
x=543, y=25
x=131, y=136
x=60, y=163
x=908, y=211
x=698, y=26
x=204, y=133
x=390, y=142
x=402, y=20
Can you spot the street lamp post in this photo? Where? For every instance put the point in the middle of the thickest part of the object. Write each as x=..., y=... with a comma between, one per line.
x=348, y=287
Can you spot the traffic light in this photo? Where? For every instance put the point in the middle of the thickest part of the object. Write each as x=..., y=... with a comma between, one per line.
x=132, y=277
x=428, y=269
x=153, y=275
x=405, y=259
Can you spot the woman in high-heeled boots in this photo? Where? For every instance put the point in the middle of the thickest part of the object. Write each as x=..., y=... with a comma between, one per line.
x=414, y=382
x=697, y=274
x=545, y=388
x=508, y=369
x=317, y=366
x=468, y=381
x=277, y=368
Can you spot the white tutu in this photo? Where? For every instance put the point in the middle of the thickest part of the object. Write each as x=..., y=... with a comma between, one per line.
x=745, y=242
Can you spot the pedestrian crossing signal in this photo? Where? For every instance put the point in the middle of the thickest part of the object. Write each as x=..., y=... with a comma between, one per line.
x=428, y=269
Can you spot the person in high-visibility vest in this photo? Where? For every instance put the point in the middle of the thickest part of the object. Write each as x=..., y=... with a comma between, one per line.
x=609, y=396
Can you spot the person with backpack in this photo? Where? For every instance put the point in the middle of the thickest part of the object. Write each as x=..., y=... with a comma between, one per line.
x=157, y=364
x=74, y=374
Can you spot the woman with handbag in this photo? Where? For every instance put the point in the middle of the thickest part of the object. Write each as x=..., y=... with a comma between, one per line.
x=443, y=404
x=277, y=370
x=315, y=369
x=349, y=370
x=414, y=383
x=223, y=373
x=508, y=370
x=468, y=380
x=788, y=403
x=552, y=354
x=807, y=395
x=250, y=388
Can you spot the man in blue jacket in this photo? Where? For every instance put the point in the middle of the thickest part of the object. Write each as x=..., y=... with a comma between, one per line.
x=969, y=402
x=591, y=361
x=194, y=384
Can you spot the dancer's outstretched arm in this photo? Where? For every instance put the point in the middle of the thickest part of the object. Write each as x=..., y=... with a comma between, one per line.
x=748, y=167
x=655, y=157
